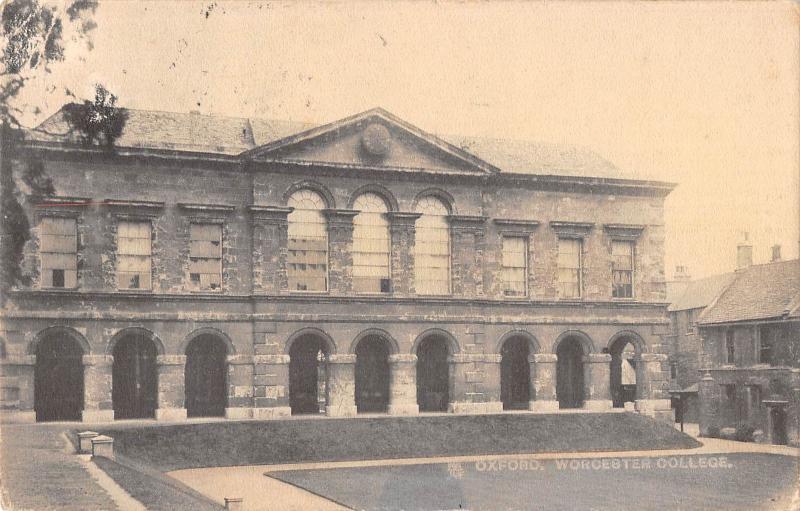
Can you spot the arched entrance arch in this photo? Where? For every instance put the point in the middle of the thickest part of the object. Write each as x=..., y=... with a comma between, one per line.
x=134, y=373
x=205, y=376
x=627, y=368
x=58, y=377
x=433, y=372
x=372, y=373
x=515, y=370
x=570, y=351
x=308, y=372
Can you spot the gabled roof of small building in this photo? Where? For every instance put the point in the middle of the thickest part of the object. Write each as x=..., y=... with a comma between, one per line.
x=762, y=291
x=700, y=293
x=231, y=136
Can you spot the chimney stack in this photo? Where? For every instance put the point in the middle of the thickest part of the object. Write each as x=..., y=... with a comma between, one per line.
x=744, y=253
x=776, y=253
x=682, y=274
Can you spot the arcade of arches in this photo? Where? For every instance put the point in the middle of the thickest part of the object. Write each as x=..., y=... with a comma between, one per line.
x=136, y=379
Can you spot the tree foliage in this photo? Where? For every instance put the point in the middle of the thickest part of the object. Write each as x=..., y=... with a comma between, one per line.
x=99, y=121
x=32, y=38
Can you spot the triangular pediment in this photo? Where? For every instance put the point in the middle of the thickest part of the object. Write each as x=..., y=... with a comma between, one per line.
x=372, y=139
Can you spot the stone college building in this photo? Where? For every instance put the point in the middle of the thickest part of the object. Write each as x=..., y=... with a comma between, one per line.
x=247, y=268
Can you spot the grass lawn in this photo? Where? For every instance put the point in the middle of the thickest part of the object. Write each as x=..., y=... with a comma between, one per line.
x=155, y=491
x=176, y=447
x=744, y=482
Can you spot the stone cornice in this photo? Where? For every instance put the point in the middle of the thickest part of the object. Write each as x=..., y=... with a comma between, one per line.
x=270, y=359
x=223, y=208
x=463, y=358
x=340, y=216
x=402, y=358
x=402, y=217
x=269, y=211
x=19, y=360
x=342, y=359
x=626, y=231
x=133, y=204
x=571, y=228
x=515, y=225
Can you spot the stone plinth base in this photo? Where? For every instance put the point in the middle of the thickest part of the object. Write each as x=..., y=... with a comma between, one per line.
x=97, y=416
x=543, y=406
x=103, y=446
x=598, y=405
x=85, y=441
x=341, y=411
x=238, y=413
x=465, y=407
x=404, y=409
x=18, y=417
x=659, y=409
x=275, y=412
x=170, y=414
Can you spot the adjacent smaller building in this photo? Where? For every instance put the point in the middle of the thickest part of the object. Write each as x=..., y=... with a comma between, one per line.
x=750, y=358
x=688, y=299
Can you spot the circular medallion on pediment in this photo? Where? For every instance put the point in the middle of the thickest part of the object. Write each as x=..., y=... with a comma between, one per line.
x=376, y=139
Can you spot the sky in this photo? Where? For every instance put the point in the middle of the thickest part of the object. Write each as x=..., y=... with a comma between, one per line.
x=701, y=94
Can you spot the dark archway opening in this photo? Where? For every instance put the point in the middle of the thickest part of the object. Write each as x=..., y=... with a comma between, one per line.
x=204, y=377
x=58, y=380
x=515, y=374
x=308, y=375
x=624, y=364
x=433, y=375
x=569, y=373
x=134, y=378
x=372, y=375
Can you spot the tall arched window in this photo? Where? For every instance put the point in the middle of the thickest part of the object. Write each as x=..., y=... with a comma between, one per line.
x=371, y=245
x=307, y=261
x=432, y=248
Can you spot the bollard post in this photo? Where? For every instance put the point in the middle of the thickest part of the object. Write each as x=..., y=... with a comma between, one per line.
x=85, y=441
x=234, y=504
x=103, y=446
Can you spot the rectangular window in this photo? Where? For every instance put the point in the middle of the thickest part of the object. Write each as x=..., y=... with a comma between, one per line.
x=690, y=319
x=133, y=255
x=514, y=271
x=307, y=260
x=205, y=256
x=730, y=347
x=59, y=252
x=754, y=398
x=765, y=347
x=569, y=267
x=622, y=269
x=673, y=370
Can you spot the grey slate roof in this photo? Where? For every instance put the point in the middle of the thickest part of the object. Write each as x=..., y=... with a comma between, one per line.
x=527, y=157
x=196, y=132
x=700, y=293
x=760, y=291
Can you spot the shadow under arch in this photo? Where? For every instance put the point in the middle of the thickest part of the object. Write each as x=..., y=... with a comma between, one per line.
x=135, y=330
x=452, y=343
x=533, y=343
x=326, y=339
x=375, y=332
x=59, y=330
x=585, y=341
x=627, y=371
x=634, y=338
x=211, y=331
